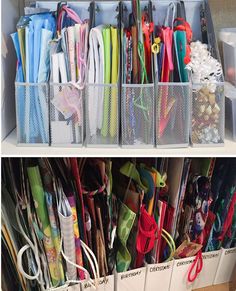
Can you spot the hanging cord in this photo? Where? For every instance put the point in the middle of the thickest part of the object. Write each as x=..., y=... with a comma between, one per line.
x=168, y=238
x=88, y=279
x=198, y=265
x=170, y=22
x=30, y=245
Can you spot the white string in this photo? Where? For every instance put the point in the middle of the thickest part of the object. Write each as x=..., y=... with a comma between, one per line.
x=38, y=275
x=79, y=267
x=93, y=256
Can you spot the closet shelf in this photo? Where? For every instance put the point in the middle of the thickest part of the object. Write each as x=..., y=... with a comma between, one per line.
x=9, y=147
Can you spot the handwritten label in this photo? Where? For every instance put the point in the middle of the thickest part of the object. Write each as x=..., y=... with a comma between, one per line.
x=130, y=275
x=210, y=256
x=159, y=268
x=101, y=282
x=179, y=264
x=228, y=252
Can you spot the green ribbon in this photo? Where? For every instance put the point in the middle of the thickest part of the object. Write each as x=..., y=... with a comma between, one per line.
x=125, y=224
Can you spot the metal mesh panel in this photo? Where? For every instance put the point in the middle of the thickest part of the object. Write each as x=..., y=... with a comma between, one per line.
x=32, y=114
x=137, y=115
x=208, y=114
x=173, y=114
x=102, y=115
x=66, y=115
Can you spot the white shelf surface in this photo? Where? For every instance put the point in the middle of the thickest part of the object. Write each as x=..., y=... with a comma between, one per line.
x=9, y=148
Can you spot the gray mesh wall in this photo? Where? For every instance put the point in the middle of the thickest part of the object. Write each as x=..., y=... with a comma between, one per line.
x=66, y=122
x=102, y=115
x=137, y=107
x=208, y=114
x=173, y=114
x=32, y=113
x=230, y=117
x=137, y=115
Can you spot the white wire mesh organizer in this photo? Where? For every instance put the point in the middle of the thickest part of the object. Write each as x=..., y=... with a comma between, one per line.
x=102, y=115
x=66, y=115
x=32, y=113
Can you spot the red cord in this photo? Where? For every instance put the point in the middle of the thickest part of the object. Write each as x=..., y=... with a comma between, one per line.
x=197, y=264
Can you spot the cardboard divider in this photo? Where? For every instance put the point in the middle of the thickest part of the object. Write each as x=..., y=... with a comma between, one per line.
x=105, y=284
x=226, y=270
x=133, y=280
x=76, y=287
x=180, y=274
x=158, y=276
x=210, y=265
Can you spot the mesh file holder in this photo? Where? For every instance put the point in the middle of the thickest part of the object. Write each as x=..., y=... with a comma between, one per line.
x=32, y=113
x=66, y=115
x=137, y=115
x=208, y=109
x=102, y=115
x=208, y=114
x=173, y=114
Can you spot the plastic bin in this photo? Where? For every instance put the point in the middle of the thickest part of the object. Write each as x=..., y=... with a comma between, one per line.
x=230, y=110
x=228, y=38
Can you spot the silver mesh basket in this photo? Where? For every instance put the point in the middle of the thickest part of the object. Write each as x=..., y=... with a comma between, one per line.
x=102, y=115
x=66, y=115
x=32, y=113
x=173, y=114
x=137, y=115
x=208, y=114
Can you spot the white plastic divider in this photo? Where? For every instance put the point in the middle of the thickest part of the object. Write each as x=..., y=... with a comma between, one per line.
x=179, y=276
x=226, y=270
x=105, y=284
x=133, y=280
x=208, y=273
x=158, y=276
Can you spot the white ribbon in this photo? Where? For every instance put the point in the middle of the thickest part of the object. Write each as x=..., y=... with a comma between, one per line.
x=204, y=68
